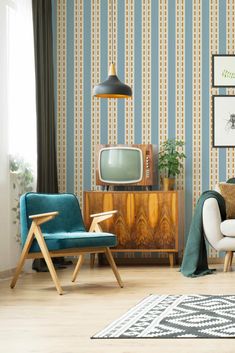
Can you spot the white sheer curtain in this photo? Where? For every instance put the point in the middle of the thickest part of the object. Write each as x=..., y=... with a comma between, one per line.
x=21, y=81
x=4, y=169
x=17, y=110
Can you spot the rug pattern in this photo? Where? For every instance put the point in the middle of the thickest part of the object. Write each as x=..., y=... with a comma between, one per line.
x=176, y=316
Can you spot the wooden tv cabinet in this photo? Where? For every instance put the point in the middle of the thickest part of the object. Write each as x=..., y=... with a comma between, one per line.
x=146, y=221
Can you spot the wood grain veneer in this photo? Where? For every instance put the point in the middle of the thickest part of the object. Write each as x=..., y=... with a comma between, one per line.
x=146, y=220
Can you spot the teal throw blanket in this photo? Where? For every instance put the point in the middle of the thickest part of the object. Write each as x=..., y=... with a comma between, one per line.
x=195, y=255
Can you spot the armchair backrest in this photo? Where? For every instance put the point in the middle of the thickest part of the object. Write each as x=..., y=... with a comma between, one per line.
x=68, y=220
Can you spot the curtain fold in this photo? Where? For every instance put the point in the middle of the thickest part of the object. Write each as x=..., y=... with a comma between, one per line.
x=47, y=181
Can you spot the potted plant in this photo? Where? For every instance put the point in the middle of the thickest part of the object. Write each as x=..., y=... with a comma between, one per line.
x=22, y=180
x=170, y=162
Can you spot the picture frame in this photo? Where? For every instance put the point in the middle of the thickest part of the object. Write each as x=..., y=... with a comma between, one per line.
x=223, y=120
x=223, y=70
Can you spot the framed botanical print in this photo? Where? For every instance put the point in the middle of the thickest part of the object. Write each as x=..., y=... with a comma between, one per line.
x=223, y=70
x=223, y=121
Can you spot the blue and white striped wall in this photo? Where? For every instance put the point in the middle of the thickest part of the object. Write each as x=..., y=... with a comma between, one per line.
x=163, y=51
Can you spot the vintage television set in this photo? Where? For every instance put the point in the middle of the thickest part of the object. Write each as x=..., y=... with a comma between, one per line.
x=134, y=165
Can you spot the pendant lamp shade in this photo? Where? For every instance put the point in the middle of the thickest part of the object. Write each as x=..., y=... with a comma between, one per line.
x=112, y=87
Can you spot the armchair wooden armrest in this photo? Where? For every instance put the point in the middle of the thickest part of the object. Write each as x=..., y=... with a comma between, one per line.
x=43, y=217
x=103, y=213
x=55, y=213
x=100, y=217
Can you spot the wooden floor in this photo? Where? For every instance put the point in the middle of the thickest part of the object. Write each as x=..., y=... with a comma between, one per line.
x=34, y=318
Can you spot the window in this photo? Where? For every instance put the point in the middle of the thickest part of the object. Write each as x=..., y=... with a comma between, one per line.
x=21, y=82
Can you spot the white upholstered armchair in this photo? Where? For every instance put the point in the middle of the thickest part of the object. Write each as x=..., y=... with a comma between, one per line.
x=220, y=235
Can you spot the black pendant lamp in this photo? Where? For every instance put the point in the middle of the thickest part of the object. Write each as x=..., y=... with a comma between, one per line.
x=112, y=87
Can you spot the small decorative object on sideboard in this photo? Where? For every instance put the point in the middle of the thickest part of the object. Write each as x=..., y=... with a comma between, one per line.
x=170, y=162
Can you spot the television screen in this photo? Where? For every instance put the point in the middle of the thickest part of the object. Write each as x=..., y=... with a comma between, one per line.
x=121, y=165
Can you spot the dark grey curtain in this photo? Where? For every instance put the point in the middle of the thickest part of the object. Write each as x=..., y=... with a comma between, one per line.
x=47, y=181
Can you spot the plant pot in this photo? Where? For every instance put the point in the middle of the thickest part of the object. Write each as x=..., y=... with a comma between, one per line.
x=168, y=184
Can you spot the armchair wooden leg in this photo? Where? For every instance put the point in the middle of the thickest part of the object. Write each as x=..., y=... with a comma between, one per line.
x=227, y=260
x=46, y=255
x=113, y=266
x=231, y=261
x=23, y=255
x=77, y=268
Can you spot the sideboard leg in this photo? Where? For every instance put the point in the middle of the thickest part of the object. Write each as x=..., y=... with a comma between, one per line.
x=172, y=259
x=92, y=260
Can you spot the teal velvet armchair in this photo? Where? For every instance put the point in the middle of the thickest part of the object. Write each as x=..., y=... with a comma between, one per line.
x=52, y=226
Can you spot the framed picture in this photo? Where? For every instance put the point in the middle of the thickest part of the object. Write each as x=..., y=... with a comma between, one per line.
x=223, y=70
x=223, y=121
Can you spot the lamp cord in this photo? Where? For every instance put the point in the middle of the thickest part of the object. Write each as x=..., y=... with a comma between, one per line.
x=112, y=27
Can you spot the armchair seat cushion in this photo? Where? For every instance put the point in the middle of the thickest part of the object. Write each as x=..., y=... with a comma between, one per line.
x=65, y=240
x=228, y=228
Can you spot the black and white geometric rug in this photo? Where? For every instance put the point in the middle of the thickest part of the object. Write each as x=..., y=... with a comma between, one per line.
x=176, y=316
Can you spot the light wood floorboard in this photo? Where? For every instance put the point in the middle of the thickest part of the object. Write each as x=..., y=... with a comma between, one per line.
x=35, y=319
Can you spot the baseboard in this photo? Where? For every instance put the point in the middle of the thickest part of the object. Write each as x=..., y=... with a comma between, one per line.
x=7, y=273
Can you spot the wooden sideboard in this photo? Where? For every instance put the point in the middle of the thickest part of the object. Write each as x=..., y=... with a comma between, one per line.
x=146, y=221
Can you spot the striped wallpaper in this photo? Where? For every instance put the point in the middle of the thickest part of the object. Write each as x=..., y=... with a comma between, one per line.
x=163, y=51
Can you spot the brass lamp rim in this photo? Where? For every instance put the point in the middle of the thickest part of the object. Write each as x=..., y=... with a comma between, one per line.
x=106, y=95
